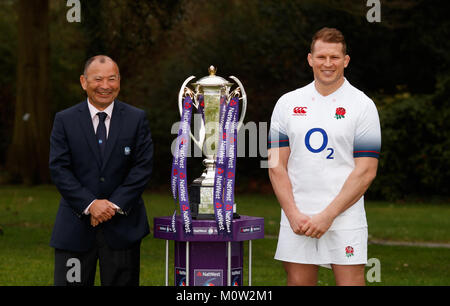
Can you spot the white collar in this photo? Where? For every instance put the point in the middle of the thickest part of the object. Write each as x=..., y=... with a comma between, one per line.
x=93, y=110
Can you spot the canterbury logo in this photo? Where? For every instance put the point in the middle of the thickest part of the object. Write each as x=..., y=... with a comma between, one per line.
x=299, y=111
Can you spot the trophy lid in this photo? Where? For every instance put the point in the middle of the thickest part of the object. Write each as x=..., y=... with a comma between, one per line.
x=212, y=80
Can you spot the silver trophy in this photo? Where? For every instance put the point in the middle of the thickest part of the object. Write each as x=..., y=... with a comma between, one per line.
x=211, y=89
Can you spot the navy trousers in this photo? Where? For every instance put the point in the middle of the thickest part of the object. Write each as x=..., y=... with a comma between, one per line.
x=117, y=267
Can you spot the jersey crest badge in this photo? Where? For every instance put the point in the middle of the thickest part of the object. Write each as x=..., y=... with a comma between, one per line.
x=340, y=113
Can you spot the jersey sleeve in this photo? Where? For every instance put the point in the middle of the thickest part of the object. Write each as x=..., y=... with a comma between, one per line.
x=278, y=133
x=367, y=142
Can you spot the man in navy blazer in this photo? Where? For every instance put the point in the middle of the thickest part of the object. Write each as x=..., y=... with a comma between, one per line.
x=101, y=155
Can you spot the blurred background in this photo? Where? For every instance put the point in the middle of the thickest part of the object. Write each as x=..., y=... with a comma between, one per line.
x=401, y=62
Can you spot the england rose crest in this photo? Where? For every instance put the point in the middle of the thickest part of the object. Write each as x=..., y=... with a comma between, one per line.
x=340, y=113
x=349, y=251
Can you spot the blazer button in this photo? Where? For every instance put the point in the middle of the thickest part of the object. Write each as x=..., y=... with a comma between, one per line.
x=102, y=179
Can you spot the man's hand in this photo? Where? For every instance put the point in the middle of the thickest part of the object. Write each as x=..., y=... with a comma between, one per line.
x=94, y=222
x=101, y=210
x=317, y=225
x=297, y=222
x=354, y=187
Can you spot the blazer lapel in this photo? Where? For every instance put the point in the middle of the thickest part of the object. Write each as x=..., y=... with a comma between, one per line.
x=115, y=127
x=88, y=131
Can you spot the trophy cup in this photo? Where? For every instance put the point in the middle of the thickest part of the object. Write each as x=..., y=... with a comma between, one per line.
x=208, y=94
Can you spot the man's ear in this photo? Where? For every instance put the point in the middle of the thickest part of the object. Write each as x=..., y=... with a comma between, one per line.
x=310, y=59
x=83, y=81
x=346, y=60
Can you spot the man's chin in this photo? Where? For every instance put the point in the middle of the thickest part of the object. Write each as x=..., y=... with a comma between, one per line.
x=104, y=99
x=329, y=80
x=101, y=101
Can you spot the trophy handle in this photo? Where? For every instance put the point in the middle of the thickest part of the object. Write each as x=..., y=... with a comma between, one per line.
x=244, y=101
x=195, y=102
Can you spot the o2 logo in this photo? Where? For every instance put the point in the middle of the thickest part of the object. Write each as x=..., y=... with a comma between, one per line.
x=324, y=142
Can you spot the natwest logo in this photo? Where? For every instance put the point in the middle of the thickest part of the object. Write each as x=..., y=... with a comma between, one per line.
x=299, y=111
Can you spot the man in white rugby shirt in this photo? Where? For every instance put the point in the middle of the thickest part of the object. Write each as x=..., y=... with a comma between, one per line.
x=324, y=145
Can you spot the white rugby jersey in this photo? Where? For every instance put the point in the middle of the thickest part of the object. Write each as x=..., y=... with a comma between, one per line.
x=324, y=135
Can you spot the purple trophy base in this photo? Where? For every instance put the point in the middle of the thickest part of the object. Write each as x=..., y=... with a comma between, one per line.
x=208, y=252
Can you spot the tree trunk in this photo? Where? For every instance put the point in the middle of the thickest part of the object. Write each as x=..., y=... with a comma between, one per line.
x=27, y=159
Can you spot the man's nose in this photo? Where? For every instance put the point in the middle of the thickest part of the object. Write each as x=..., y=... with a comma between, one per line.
x=104, y=83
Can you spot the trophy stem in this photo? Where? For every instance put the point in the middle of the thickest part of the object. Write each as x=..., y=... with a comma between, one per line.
x=209, y=172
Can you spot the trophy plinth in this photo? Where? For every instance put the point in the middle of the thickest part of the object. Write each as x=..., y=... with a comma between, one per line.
x=201, y=193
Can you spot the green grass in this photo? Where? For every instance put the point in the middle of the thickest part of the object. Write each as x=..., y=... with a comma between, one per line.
x=417, y=222
x=27, y=216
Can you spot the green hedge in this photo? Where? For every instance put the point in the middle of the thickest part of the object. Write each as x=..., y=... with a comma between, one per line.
x=415, y=156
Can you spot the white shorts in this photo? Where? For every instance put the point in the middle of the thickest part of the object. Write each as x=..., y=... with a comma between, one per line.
x=341, y=247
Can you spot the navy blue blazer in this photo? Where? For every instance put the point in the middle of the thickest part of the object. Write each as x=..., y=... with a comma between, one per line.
x=80, y=176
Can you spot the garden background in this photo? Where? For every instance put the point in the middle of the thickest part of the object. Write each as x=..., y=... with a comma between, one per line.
x=401, y=61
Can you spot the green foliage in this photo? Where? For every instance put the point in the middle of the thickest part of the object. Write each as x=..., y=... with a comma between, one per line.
x=415, y=144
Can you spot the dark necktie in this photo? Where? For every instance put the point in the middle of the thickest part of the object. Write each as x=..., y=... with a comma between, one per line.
x=101, y=132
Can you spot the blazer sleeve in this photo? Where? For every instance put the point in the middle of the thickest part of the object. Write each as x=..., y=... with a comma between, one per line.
x=130, y=191
x=74, y=194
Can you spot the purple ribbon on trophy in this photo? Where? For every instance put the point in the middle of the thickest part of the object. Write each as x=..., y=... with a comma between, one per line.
x=226, y=168
x=179, y=169
x=201, y=106
x=219, y=178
